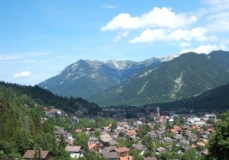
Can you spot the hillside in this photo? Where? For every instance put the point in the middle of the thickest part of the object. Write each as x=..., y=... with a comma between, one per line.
x=36, y=94
x=220, y=58
x=85, y=78
x=185, y=76
x=215, y=99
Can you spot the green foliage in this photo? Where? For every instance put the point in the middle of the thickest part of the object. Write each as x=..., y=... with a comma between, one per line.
x=92, y=156
x=168, y=125
x=148, y=142
x=176, y=121
x=124, y=143
x=219, y=142
x=20, y=126
x=142, y=130
x=215, y=99
x=97, y=133
x=81, y=139
x=31, y=95
x=210, y=121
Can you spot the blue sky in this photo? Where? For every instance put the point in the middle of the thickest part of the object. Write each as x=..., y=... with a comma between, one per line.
x=39, y=38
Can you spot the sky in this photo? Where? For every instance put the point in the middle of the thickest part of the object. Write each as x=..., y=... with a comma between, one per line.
x=39, y=38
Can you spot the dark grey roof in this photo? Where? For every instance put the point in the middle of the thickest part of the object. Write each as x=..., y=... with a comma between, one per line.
x=139, y=146
x=110, y=155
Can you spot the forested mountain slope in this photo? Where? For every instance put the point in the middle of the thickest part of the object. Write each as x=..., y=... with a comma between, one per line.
x=185, y=76
x=215, y=99
x=44, y=97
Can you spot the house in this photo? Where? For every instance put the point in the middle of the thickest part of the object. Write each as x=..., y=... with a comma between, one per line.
x=75, y=151
x=152, y=134
x=208, y=116
x=126, y=158
x=178, y=129
x=112, y=142
x=78, y=130
x=108, y=149
x=160, y=150
x=168, y=139
x=111, y=155
x=67, y=136
x=53, y=112
x=160, y=133
x=58, y=112
x=139, y=147
x=93, y=140
x=30, y=154
x=131, y=134
x=177, y=138
x=95, y=147
x=105, y=138
x=122, y=152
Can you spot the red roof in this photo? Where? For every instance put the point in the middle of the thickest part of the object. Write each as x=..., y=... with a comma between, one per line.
x=122, y=149
x=78, y=130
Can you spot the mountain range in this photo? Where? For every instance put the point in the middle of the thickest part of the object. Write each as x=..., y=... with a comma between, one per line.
x=85, y=78
x=154, y=80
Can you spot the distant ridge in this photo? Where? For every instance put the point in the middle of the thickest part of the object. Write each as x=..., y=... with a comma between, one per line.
x=183, y=77
x=154, y=80
x=85, y=78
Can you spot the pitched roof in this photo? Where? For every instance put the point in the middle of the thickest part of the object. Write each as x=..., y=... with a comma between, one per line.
x=112, y=142
x=91, y=145
x=78, y=130
x=110, y=155
x=30, y=154
x=152, y=133
x=173, y=130
x=108, y=149
x=160, y=149
x=178, y=128
x=73, y=148
x=126, y=158
x=131, y=133
x=138, y=146
x=122, y=149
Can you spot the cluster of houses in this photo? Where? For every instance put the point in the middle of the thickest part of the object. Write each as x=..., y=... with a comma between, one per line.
x=194, y=132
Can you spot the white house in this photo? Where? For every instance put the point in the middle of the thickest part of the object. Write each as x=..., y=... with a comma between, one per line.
x=75, y=151
x=207, y=116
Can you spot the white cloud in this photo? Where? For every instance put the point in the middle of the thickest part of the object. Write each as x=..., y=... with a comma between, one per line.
x=188, y=35
x=197, y=34
x=204, y=49
x=158, y=17
x=217, y=5
x=150, y=36
x=219, y=22
x=120, y=35
x=23, y=74
x=184, y=44
x=218, y=15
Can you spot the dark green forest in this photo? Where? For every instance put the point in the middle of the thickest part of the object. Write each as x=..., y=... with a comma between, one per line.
x=36, y=94
x=215, y=100
x=22, y=126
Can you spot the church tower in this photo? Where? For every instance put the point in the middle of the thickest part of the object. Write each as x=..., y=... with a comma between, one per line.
x=158, y=113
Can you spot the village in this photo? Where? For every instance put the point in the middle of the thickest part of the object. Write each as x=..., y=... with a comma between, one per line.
x=150, y=134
